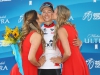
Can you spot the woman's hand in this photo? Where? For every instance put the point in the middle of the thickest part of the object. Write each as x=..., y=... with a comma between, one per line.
x=56, y=59
x=77, y=42
x=42, y=60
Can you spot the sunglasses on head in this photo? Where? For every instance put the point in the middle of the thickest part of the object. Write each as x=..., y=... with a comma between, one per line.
x=47, y=4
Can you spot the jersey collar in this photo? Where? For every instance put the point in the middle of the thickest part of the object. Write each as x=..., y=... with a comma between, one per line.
x=48, y=26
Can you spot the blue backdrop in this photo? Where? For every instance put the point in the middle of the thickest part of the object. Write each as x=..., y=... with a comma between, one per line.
x=85, y=14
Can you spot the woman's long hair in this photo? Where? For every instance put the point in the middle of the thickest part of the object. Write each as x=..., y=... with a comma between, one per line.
x=30, y=24
x=63, y=14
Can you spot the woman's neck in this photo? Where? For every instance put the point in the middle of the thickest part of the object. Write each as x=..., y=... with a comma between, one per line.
x=47, y=23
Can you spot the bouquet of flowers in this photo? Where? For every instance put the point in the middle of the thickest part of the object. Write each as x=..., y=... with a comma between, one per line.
x=12, y=37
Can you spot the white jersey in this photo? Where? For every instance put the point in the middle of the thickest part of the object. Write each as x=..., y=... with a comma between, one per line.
x=49, y=51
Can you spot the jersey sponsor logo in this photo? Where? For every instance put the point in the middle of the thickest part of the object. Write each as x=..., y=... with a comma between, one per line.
x=52, y=31
x=56, y=64
x=45, y=31
x=49, y=44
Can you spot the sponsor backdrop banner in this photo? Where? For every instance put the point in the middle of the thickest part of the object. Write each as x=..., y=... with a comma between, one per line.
x=85, y=14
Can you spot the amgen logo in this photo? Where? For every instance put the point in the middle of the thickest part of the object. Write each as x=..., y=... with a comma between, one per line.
x=93, y=63
x=90, y=63
x=20, y=18
x=89, y=15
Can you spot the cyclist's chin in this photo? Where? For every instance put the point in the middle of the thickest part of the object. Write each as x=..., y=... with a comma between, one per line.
x=47, y=20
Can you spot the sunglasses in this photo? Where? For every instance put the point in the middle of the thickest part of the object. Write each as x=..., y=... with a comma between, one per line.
x=47, y=4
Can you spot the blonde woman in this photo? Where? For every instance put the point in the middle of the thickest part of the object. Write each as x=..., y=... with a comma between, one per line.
x=65, y=32
x=32, y=45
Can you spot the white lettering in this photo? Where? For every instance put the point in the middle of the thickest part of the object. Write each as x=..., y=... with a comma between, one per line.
x=4, y=21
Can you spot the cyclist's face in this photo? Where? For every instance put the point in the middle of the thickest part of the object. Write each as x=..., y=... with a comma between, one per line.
x=47, y=14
